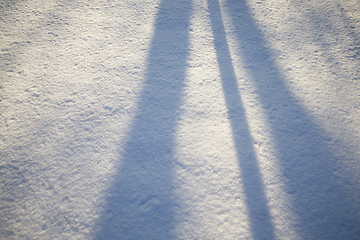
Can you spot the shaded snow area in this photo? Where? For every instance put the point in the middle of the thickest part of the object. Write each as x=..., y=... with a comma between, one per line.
x=180, y=119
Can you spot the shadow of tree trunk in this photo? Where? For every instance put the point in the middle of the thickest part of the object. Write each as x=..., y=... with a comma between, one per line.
x=140, y=203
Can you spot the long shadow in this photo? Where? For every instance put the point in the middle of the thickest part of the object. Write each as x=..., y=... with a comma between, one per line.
x=258, y=212
x=140, y=203
x=324, y=209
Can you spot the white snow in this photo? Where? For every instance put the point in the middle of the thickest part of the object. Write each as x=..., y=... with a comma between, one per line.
x=188, y=119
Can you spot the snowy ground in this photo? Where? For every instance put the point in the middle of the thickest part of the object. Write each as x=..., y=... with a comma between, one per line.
x=180, y=119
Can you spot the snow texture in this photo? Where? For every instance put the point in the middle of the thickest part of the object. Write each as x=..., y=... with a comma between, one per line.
x=180, y=119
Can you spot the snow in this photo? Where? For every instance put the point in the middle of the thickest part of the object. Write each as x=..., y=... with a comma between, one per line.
x=215, y=119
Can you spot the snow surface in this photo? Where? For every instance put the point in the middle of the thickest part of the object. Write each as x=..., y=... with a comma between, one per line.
x=180, y=119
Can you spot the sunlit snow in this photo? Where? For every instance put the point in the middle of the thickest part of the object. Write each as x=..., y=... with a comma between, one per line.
x=180, y=119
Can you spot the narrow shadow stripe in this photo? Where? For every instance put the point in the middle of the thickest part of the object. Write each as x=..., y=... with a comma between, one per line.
x=258, y=212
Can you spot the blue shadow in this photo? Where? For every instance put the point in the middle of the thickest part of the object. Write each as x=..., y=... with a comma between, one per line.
x=305, y=152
